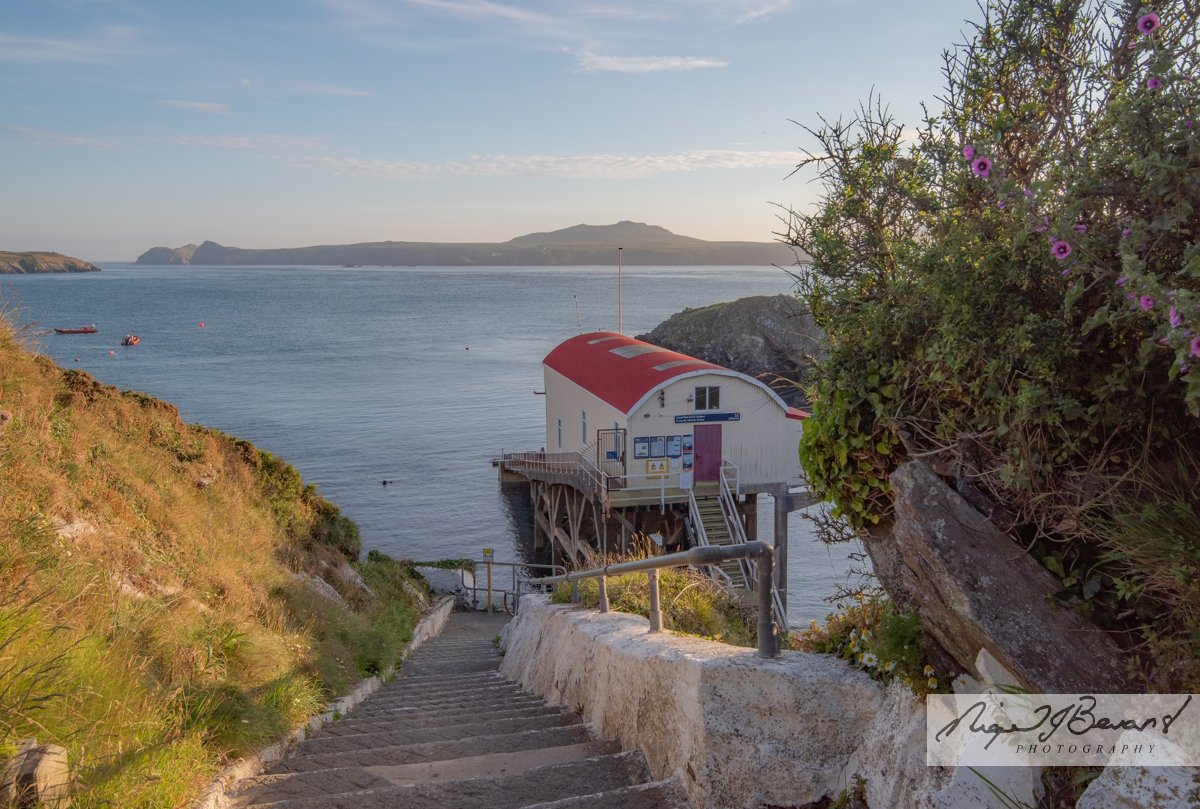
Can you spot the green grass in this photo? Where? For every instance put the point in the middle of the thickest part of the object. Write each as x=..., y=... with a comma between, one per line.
x=151, y=621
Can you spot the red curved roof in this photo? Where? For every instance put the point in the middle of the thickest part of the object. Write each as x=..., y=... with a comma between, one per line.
x=619, y=369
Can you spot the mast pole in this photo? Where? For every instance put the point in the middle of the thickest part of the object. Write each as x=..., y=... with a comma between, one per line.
x=620, y=268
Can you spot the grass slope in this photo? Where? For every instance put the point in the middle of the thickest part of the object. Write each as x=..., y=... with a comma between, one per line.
x=152, y=616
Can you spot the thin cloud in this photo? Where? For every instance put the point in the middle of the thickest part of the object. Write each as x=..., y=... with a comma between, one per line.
x=266, y=143
x=601, y=166
x=104, y=46
x=211, y=107
x=592, y=63
x=57, y=138
x=331, y=90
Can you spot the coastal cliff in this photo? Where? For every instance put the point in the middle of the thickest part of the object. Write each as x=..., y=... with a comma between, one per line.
x=580, y=245
x=37, y=262
x=769, y=337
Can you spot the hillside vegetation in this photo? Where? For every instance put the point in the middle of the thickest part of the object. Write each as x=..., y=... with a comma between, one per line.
x=156, y=610
x=42, y=262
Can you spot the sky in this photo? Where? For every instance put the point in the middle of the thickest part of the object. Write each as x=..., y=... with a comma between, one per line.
x=127, y=124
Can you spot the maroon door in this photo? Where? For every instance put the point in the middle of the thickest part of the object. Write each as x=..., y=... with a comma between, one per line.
x=708, y=452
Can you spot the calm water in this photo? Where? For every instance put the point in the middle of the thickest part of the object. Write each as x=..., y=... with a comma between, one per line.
x=355, y=375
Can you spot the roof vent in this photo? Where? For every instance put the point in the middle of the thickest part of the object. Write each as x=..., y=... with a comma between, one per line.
x=629, y=352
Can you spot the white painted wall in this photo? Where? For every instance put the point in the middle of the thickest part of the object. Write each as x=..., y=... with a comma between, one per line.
x=566, y=400
x=763, y=443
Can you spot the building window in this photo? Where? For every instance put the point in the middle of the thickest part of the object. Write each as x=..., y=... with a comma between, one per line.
x=708, y=398
x=560, y=433
x=583, y=429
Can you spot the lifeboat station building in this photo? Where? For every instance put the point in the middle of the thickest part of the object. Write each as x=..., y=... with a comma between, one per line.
x=642, y=440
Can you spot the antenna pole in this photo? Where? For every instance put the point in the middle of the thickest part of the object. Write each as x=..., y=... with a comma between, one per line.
x=620, y=268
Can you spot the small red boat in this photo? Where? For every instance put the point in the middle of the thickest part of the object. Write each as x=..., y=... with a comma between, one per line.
x=131, y=340
x=81, y=330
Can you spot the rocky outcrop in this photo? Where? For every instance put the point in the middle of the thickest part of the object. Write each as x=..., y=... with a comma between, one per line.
x=769, y=337
x=37, y=777
x=579, y=245
x=974, y=589
x=167, y=256
x=20, y=263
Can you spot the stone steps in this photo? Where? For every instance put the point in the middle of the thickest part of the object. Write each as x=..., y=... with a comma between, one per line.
x=450, y=733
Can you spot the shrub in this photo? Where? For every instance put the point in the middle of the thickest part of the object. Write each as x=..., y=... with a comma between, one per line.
x=1013, y=293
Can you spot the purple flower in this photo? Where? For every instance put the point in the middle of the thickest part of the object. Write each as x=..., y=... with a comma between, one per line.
x=1028, y=193
x=1081, y=228
x=1126, y=233
x=1122, y=281
x=1066, y=272
x=1153, y=83
x=1146, y=303
x=968, y=152
x=982, y=166
x=1147, y=23
x=1175, y=318
x=1000, y=204
x=1189, y=124
x=1060, y=249
x=1129, y=296
x=1183, y=367
x=1133, y=43
x=1195, y=346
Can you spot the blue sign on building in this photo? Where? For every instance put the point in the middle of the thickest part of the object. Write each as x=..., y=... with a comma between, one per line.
x=693, y=418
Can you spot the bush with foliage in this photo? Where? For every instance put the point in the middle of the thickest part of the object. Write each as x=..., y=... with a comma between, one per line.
x=1013, y=293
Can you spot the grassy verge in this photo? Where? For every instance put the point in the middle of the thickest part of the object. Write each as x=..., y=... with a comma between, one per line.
x=691, y=602
x=154, y=615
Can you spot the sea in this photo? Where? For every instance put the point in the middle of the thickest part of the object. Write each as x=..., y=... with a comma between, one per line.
x=414, y=375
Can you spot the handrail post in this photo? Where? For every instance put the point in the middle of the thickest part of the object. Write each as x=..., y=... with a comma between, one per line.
x=575, y=592
x=489, y=575
x=768, y=635
x=604, y=594
x=655, y=612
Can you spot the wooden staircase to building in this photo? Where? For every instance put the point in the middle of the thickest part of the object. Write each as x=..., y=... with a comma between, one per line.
x=718, y=534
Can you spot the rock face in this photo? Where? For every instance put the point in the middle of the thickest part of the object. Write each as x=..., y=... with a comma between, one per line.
x=764, y=336
x=18, y=263
x=37, y=776
x=975, y=589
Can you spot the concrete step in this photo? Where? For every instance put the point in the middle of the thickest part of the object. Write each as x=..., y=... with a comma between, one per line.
x=477, y=703
x=653, y=795
x=489, y=679
x=507, y=781
x=347, y=727
x=437, y=750
x=455, y=667
x=396, y=698
x=484, y=726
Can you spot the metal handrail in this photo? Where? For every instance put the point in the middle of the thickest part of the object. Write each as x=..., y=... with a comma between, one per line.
x=700, y=534
x=768, y=635
x=517, y=581
x=737, y=532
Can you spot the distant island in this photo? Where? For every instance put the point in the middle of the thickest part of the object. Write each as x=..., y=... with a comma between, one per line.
x=11, y=263
x=578, y=245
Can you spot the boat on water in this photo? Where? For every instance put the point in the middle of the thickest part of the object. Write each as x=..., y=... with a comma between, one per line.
x=89, y=329
x=130, y=340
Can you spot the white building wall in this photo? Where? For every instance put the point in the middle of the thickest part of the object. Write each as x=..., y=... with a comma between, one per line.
x=568, y=401
x=763, y=443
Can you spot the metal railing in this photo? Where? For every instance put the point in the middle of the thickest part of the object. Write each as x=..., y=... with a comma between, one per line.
x=521, y=584
x=700, y=535
x=768, y=635
x=737, y=533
